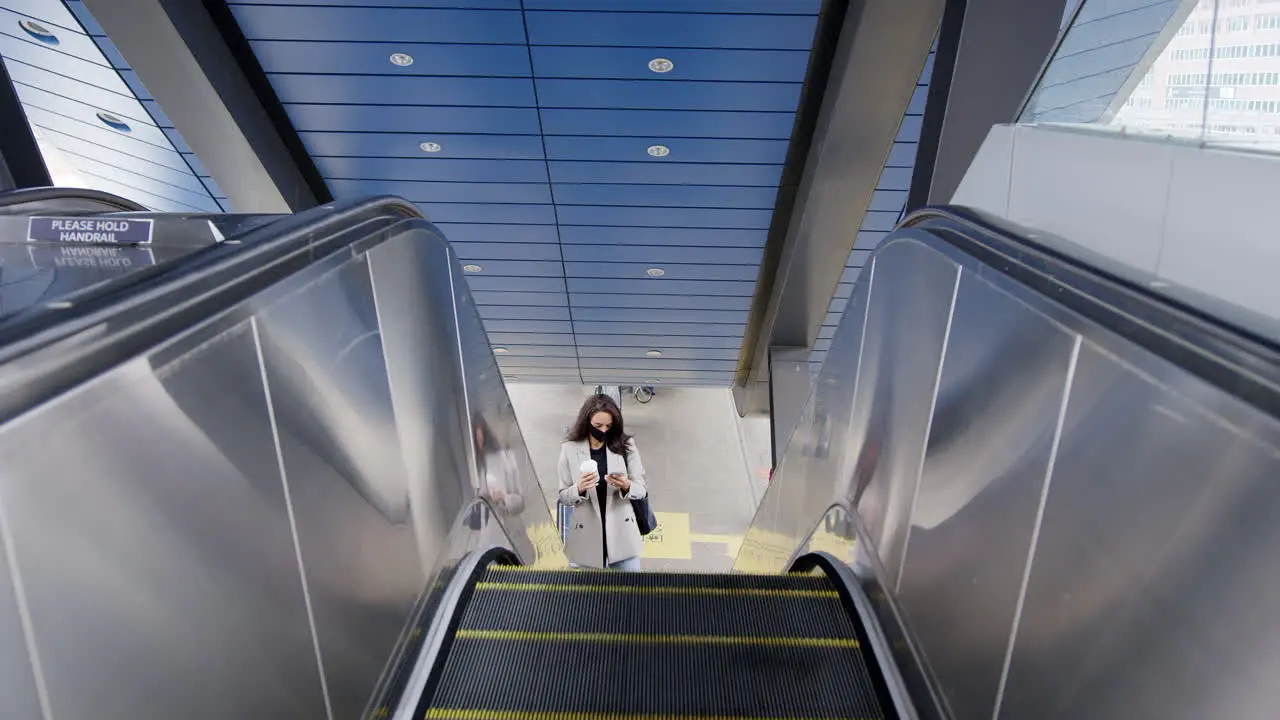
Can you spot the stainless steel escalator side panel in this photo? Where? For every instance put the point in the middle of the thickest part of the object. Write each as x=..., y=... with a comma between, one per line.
x=991, y=440
x=17, y=674
x=152, y=535
x=1153, y=588
x=322, y=353
x=241, y=520
x=1093, y=528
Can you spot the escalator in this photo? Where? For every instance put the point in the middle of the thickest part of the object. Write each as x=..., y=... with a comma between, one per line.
x=564, y=644
x=249, y=480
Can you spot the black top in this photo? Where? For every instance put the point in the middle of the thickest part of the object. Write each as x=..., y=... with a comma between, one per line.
x=601, y=456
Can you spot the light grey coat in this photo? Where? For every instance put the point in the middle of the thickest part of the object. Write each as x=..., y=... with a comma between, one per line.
x=583, y=544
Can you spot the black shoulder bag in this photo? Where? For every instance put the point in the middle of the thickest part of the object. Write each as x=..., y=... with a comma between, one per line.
x=645, y=520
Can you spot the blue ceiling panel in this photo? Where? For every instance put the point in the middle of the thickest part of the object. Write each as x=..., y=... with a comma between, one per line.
x=883, y=221
x=435, y=169
x=413, y=118
x=613, y=327
x=178, y=143
x=682, y=123
x=483, y=192
x=452, y=4
x=660, y=95
x=153, y=109
x=523, y=363
x=673, y=378
x=136, y=87
x=196, y=165
x=122, y=106
x=568, y=197
x=661, y=286
x=73, y=144
x=699, y=196
x=390, y=90
x=517, y=283
x=663, y=217
x=766, y=152
x=521, y=298
x=71, y=43
x=662, y=173
x=779, y=7
x=749, y=257
x=529, y=326
x=480, y=147
x=506, y=251
x=674, y=272
x=645, y=364
x=888, y=200
x=632, y=64
x=180, y=197
x=516, y=351
x=523, y=269
x=478, y=233
x=662, y=236
x=674, y=302
x=610, y=351
x=106, y=137
x=656, y=30
x=60, y=62
x=75, y=109
x=366, y=24
x=528, y=339
x=477, y=212
x=903, y=155
x=647, y=341
x=111, y=52
x=348, y=58
x=723, y=317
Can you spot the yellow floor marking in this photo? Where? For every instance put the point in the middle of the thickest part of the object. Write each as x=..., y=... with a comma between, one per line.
x=481, y=714
x=670, y=540
x=646, y=590
x=653, y=639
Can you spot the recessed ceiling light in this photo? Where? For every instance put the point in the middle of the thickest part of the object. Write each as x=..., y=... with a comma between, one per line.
x=510, y=378
x=472, y=268
x=661, y=65
x=431, y=147
x=500, y=350
x=659, y=150
x=38, y=31
x=114, y=122
x=654, y=354
x=655, y=272
x=401, y=59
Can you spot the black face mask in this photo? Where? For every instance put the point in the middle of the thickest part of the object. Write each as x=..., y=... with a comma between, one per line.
x=597, y=433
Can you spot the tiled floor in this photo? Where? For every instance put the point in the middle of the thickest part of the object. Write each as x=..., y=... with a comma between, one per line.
x=706, y=467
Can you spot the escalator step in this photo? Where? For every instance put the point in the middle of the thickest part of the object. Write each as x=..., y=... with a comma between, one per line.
x=510, y=574
x=771, y=613
x=616, y=675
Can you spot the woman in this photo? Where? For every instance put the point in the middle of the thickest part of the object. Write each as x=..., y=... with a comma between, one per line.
x=600, y=474
x=497, y=474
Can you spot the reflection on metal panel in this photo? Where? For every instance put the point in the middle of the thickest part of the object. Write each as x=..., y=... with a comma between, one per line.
x=17, y=682
x=1155, y=554
x=323, y=356
x=1092, y=531
x=150, y=529
x=914, y=288
x=989, y=449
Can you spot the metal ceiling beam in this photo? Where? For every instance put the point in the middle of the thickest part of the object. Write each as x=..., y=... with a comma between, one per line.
x=181, y=56
x=1002, y=45
x=878, y=57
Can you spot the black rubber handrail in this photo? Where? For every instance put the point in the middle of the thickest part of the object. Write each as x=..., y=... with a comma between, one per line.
x=1236, y=360
x=50, y=351
x=109, y=202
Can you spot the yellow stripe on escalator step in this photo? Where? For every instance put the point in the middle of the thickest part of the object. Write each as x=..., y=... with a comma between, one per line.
x=654, y=639
x=656, y=590
x=478, y=714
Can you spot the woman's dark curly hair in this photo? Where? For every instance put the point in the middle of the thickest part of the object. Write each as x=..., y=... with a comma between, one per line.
x=616, y=439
